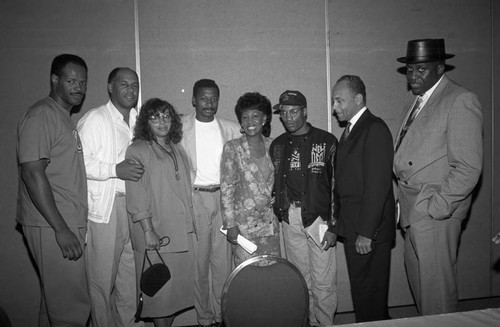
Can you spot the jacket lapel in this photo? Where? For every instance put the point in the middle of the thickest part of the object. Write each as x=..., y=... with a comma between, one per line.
x=346, y=146
x=254, y=169
x=417, y=129
x=410, y=100
x=188, y=142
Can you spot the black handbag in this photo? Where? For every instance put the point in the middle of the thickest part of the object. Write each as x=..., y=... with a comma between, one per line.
x=152, y=279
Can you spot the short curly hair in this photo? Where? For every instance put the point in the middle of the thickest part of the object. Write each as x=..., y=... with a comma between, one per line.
x=60, y=62
x=355, y=84
x=257, y=101
x=150, y=108
x=205, y=83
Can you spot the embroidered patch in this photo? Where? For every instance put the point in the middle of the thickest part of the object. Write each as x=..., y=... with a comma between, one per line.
x=318, y=153
x=295, y=160
x=277, y=154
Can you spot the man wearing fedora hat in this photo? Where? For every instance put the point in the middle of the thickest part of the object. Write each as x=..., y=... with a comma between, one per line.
x=437, y=163
x=303, y=169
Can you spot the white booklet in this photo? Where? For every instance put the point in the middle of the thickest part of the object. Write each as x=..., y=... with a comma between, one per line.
x=243, y=242
x=317, y=231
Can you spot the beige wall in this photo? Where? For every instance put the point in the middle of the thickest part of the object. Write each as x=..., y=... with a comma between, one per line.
x=495, y=124
x=258, y=45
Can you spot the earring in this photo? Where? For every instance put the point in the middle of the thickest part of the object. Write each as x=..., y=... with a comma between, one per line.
x=242, y=130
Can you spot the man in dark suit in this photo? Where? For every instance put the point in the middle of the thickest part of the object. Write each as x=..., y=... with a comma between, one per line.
x=437, y=163
x=364, y=199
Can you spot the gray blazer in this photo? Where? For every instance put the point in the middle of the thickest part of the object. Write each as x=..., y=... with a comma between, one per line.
x=439, y=160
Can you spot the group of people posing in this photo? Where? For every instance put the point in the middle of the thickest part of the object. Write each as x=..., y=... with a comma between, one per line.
x=96, y=198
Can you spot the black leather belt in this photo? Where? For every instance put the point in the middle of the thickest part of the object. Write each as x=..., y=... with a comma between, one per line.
x=209, y=189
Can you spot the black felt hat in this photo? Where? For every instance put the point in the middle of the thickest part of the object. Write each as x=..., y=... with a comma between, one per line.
x=425, y=50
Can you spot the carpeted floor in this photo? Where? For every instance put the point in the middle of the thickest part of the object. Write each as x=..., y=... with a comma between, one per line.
x=411, y=310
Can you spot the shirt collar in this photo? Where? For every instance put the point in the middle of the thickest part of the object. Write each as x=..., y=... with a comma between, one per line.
x=118, y=116
x=355, y=118
x=429, y=92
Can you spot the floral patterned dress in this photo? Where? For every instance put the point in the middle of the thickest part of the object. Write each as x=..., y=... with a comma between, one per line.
x=246, y=187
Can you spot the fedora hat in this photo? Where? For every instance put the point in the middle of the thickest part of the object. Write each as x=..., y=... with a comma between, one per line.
x=426, y=50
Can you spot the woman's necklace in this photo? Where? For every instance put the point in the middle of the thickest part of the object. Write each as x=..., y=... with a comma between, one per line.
x=173, y=156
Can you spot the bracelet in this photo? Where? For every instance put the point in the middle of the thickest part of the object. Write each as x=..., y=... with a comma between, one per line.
x=149, y=230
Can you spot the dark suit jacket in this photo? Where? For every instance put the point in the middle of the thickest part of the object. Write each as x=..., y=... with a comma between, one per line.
x=363, y=195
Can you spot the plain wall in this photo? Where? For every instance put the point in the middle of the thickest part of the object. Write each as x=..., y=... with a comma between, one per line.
x=495, y=123
x=266, y=46
x=32, y=33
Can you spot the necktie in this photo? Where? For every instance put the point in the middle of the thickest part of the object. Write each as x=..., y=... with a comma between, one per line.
x=346, y=132
x=413, y=114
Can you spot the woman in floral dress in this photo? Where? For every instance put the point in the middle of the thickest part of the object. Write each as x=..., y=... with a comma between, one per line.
x=247, y=181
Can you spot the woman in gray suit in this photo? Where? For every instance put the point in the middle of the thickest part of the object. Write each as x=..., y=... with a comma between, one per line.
x=160, y=205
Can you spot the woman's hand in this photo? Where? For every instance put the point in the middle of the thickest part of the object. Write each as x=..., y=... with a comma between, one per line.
x=152, y=240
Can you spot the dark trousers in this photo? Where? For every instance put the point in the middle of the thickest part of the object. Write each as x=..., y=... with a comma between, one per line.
x=369, y=277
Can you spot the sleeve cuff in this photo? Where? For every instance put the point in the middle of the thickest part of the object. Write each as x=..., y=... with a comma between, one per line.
x=112, y=172
x=331, y=224
x=140, y=216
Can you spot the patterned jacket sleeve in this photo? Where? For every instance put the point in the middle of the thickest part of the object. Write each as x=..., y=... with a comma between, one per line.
x=229, y=181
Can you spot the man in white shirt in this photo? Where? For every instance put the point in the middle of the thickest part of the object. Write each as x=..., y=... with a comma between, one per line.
x=204, y=136
x=106, y=132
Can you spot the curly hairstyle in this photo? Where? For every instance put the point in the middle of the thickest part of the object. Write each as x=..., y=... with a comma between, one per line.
x=150, y=108
x=257, y=101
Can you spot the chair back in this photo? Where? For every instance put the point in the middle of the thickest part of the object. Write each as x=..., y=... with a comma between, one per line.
x=265, y=291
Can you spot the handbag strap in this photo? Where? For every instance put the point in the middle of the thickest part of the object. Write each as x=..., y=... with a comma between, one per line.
x=147, y=258
x=160, y=256
x=144, y=260
x=164, y=241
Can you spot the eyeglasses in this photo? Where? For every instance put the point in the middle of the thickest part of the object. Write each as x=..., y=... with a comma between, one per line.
x=155, y=119
x=291, y=113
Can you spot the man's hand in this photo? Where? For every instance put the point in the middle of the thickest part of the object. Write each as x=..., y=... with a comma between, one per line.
x=496, y=238
x=232, y=234
x=37, y=183
x=129, y=170
x=69, y=244
x=329, y=240
x=363, y=245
